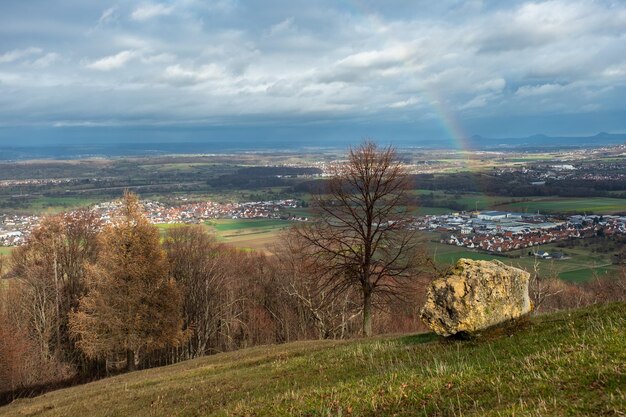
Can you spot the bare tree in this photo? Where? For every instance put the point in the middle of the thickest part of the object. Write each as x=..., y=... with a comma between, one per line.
x=51, y=270
x=360, y=236
x=329, y=315
x=542, y=288
x=198, y=265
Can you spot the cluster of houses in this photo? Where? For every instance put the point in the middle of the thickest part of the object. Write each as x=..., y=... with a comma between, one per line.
x=200, y=211
x=498, y=231
x=195, y=212
x=14, y=230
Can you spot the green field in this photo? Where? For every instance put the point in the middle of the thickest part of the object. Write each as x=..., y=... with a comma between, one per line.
x=5, y=250
x=249, y=234
x=585, y=274
x=580, y=266
x=564, y=364
x=532, y=204
x=51, y=205
x=595, y=205
x=246, y=234
x=223, y=226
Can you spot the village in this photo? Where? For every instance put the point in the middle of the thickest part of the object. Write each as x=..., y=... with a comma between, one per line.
x=490, y=231
x=15, y=229
x=499, y=231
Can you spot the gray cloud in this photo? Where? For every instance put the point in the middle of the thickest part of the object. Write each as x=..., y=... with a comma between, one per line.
x=188, y=61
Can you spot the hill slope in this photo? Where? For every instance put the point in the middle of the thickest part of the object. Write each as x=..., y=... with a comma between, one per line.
x=570, y=363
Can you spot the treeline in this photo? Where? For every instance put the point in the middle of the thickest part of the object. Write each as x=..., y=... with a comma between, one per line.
x=251, y=178
x=507, y=184
x=515, y=184
x=84, y=299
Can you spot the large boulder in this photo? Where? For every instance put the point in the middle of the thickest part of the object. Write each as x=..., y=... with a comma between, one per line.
x=476, y=295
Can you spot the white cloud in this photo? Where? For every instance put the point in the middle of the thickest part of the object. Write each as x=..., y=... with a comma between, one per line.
x=9, y=78
x=178, y=75
x=286, y=25
x=46, y=60
x=112, y=62
x=405, y=103
x=615, y=71
x=397, y=54
x=538, y=90
x=149, y=11
x=17, y=54
x=159, y=58
x=108, y=15
x=479, y=101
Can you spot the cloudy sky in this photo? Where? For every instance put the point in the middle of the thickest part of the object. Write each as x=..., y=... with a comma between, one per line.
x=394, y=68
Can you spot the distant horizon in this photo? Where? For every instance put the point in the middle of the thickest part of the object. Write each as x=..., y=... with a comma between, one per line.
x=108, y=147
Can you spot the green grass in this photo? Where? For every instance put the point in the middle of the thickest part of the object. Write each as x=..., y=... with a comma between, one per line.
x=596, y=205
x=245, y=234
x=578, y=268
x=565, y=364
x=6, y=250
x=230, y=225
x=559, y=205
x=585, y=274
x=52, y=205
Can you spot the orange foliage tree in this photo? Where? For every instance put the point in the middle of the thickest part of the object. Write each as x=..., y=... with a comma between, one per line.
x=132, y=307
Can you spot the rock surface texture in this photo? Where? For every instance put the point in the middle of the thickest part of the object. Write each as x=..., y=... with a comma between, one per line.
x=476, y=295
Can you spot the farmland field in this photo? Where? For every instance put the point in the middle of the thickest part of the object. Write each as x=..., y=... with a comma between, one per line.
x=251, y=234
x=224, y=226
x=554, y=204
x=5, y=250
x=585, y=274
x=597, y=205
x=41, y=205
x=247, y=234
x=580, y=264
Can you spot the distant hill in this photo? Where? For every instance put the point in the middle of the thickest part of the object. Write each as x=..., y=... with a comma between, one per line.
x=565, y=364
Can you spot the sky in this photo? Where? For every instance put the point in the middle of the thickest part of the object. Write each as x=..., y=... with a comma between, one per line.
x=309, y=70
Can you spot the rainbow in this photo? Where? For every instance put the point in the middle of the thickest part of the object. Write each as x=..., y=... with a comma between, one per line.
x=451, y=125
x=454, y=130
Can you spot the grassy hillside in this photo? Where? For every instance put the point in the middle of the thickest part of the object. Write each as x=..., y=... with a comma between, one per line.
x=570, y=363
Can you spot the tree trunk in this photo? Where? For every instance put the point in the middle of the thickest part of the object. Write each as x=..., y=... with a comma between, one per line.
x=367, y=313
x=130, y=360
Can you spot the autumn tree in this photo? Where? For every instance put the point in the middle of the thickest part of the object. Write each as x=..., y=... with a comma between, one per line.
x=200, y=267
x=50, y=271
x=330, y=315
x=360, y=237
x=131, y=307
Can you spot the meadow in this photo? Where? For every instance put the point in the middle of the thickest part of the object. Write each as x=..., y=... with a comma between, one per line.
x=245, y=234
x=596, y=205
x=569, y=363
x=580, y=264
x=532, y=204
